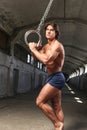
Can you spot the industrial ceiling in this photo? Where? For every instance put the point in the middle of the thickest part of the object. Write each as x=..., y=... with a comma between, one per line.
x=17, y=17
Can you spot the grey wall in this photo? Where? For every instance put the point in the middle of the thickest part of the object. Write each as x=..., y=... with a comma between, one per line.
x=17, y=76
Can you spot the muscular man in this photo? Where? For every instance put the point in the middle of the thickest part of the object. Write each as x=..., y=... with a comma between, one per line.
x=52, y=55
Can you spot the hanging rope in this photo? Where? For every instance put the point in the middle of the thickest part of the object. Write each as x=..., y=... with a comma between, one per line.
x=37, y=31
x=44, y=16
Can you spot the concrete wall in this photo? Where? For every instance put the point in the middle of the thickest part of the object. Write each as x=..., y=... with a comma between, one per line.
x=79, y=82
x=17, y=76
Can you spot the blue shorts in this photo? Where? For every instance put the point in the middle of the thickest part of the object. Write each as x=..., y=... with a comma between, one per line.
x=57, y=80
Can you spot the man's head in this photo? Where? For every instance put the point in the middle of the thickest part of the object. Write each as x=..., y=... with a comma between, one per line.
x=55, y=27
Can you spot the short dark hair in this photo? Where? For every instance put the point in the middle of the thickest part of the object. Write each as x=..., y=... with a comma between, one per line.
x=56, y=28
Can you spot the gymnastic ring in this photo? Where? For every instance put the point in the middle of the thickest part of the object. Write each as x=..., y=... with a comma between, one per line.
x=29, y=32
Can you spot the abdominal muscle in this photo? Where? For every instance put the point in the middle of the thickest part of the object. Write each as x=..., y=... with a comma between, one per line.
x=53, y=67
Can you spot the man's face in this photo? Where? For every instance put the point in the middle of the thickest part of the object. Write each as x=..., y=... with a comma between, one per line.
x=50, y=32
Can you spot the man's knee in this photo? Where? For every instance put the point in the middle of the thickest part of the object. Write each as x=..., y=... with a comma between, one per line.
x=39, y=102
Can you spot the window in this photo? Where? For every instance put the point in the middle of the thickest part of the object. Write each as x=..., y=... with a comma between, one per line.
x=28, y=58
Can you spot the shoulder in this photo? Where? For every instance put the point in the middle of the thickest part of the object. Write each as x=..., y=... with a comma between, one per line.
x=59, y=46
x=58, y=42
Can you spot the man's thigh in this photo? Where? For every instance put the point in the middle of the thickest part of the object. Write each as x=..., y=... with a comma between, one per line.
x=47, y=92
x=56, y=100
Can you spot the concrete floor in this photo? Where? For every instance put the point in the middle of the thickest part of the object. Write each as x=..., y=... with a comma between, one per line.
x=21, y=113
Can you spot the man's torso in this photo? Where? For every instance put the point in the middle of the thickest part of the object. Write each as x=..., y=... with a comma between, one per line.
x=56, y=64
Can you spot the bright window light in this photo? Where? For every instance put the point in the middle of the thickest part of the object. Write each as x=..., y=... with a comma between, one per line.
x=79, y=72
x=28, y=58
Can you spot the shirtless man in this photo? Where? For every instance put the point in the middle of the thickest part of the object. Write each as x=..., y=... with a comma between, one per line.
x=52, y=55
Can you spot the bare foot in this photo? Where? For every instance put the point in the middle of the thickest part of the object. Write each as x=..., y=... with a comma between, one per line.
x=60, y=127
